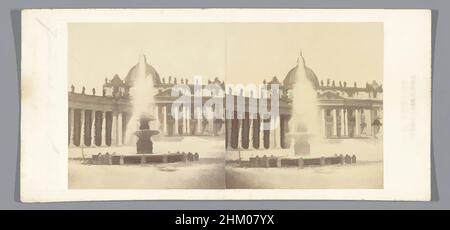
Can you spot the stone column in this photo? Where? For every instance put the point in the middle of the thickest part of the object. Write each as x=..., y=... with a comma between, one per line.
x=271, y=133
x=250, y=131
x=71, y=126
x=211, y=122
x=334, y=123
x=276, y=133
x=228, y=132
x=119, y=129
x=238, y=133
x=341, y=115
x=261, y=134
x=103, y=128
x=82, y=120
x=184, y=120
x=175, y=127
x=185, y=128
x=114, y=129
x=199, y=120
x=164, y=108
x=323, y=123
x=92, y=128
x=357, y=127
x=188, y=121
x=373, y=116
x=346, y=122
x=368, y=115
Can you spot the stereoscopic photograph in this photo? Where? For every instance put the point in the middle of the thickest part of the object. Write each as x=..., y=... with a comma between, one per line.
x=204, y=101
x=225, y=105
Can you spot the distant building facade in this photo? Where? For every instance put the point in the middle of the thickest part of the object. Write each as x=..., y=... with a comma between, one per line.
x=101, y=118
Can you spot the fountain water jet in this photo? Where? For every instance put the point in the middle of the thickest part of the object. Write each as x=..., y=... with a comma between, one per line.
x=142, y=98
x=304, y=124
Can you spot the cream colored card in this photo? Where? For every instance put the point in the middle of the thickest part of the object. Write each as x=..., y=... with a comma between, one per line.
x=225, y=104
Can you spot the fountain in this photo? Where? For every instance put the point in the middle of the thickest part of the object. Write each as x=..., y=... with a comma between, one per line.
x=144, y=143
x=140, y=126
x=304, y=123
x=143, y=103
x=304, y=129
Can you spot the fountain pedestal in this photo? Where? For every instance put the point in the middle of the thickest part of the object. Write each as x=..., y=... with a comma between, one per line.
x=145, y=144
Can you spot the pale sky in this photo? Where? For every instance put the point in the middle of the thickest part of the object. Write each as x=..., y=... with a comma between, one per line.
x=234, y=52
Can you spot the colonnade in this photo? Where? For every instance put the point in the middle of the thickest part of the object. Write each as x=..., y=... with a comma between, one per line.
x=351, y=122
x=256, y=133
x=96, y=128
x=187, y=123
x=90, y=128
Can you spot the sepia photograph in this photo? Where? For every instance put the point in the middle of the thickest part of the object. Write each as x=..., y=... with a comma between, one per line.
x=187, y=104
x=225, y=105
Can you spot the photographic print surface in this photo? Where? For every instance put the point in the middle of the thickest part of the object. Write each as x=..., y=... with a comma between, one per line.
x=295, y=105
x=225, y=104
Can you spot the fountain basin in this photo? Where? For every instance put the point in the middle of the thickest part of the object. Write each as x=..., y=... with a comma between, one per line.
x=300, y=162
x=114, y=159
